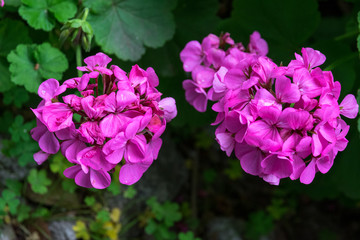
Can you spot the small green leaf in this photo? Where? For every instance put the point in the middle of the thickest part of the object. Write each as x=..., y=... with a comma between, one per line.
x=41, y=14
x=124, y=27
x=130, y=192
x=188, y=236
x=168, y=212
x=103, y=216
x=20, y=131
x=68, y=185
x=39, y=181
x=59, y=164
x=14, y=185
x=29, y=64
x=40, y=212
x=25, y=159
x=89, y=201
x=209, y=175
x=17, y=95
x=23, y=213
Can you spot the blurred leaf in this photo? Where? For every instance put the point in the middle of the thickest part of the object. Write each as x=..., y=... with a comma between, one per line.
x=103, y=216
x=39, y=181
x=59, y=163
x=81, y=231
x=167, y=212
x=14, y=185
x=25, y=159
x=187, y=236
x=125, y=27
x=89, y=201
x=195, y=19
x=16, y=95
x=12, y=33
x=259, y=224
x=41, y=14
x=234, y=170
x=29, y=64
x=130, y=192
x=115, y=214
x=5, y=82
x=209, y=175
x=40, y=212
x=23, y=213
x=20, y=131
x=68, y=185
x=285, y=25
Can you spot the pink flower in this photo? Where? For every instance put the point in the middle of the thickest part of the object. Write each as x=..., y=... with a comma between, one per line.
x=258, y=45
x=97, y=131
x=195, y=95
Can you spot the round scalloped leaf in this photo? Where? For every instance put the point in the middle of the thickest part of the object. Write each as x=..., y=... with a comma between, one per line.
x=30, y=64
x=124, y=27
x=41, y=14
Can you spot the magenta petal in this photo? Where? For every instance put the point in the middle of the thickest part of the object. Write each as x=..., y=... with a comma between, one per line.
x=72, y=171
x=250, y=158
x=131, y=173
x=234, y=78
x=48, y=88
x=308, y=174
x=83, y=180
x=299, y=166
x=99, y=179
x=349, y=107
x=40, y=157
x=111, y=125
x=324, y=163
x=279, y=166
x=195, y=95
x=135, y=150
x=49, y=143
x=83, y=82
x=124, y=98
x=116, y=156
x=226, y=142
x=191, y=55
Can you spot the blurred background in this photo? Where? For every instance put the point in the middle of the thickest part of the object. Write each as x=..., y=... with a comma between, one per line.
x=193, y=190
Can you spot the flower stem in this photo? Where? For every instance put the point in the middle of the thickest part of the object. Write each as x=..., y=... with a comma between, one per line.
x=78, y=58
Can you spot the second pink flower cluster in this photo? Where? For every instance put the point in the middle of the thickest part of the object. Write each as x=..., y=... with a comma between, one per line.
x=281, y=121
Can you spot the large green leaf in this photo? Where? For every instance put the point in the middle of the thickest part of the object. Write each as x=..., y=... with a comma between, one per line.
x=195, y=19
x=29, y=64
x=285, y=25
x=12, y=33
x=42, y=14
x=124, y=27
x=5, y=83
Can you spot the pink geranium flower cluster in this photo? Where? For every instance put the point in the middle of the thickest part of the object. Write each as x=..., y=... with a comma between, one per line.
x=96, y=132
x=281, y=121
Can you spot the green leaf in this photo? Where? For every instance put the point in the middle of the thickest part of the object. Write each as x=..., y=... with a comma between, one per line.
x=29, y=64
x=20, y=131
x=39, y=181
x=52, y=62
x=23, y=213
x=168, y=212
x=42, y=14
x=285, y=25
x=130, y=192
x=12, y=33
x=17, y=95
x=68, y=185
x=59, y=164
x=89, y=201
x=124, y=27
x=195, y=19
x=40, y=212
x=259, y=225
x=187, y=236
x=25, y=159
x=103, y=216
x=14, y=185
x=5, y=82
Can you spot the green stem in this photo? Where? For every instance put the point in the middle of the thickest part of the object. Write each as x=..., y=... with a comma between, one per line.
x=347, y=35
x=341, y=61
x=78, y=58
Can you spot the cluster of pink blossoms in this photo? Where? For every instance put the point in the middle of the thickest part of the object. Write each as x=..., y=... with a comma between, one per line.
x=96, y=131
x=281, y=121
